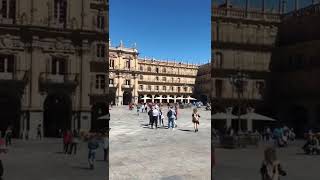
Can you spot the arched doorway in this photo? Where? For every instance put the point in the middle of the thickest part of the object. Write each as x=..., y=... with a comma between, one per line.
x=140, y=98
x=112, y=97
x=10, y=107
x=165, y=99
x=298, y=116
x=99, y=109
x=127, y=98
x=57, y=114
x=204, y=99
x=149, y=96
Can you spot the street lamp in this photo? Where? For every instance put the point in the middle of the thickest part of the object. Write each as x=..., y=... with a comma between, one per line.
x=239, y=81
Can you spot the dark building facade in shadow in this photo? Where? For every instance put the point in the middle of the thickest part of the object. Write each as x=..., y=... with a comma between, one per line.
x=293, y=89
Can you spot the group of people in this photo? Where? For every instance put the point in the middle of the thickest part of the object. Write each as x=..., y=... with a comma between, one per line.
x=282, y=136
x=312, y=144
x=70, y=141
x=156, y=116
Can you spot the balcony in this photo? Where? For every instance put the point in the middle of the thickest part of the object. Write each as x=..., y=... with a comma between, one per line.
x=242, y=14
x=17, y=79
x=68, y=81
x=126, y=86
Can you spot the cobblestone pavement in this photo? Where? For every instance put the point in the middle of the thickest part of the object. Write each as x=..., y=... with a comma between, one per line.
x=140, y=153
x=244, y=164
x=43, y=160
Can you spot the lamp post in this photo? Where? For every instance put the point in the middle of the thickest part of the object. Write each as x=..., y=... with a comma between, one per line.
x=239, y=81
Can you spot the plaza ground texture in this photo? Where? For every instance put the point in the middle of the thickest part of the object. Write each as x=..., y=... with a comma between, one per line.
x=43, y=160
x=140, y=153
x=244, y=164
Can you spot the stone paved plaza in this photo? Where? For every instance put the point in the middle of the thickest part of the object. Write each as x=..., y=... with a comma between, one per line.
x=140, y=153
x=244, y=164
x=43, y=160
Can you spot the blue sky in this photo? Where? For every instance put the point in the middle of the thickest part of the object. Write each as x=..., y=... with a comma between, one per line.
x=271, y=4
x=163, y=29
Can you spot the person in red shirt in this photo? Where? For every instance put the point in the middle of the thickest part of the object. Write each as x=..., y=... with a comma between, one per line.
x=67, y=137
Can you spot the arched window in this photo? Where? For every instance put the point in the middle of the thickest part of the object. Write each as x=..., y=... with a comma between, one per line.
x=141, y=68
x=141, y=77
x=8, y=9
x=149, y=68
x=164, y=70
x=60, y=11
x=111, y=63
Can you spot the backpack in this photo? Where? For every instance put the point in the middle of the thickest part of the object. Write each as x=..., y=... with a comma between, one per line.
x=169, y=114
x=150, y=112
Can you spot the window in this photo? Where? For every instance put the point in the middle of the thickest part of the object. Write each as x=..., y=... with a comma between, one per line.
x=60, y=11
x=128, y=82
x=149, y=87
x=6, y=63
x=157, y=70
x=218, y=85
x=164, y=79
x=260, y=86
x=141, y=68
x=8, y=9
x=164, y=70
x=141, y=87
x=179, y=89
x=157, y=78
x=172, y=88
x=172, y=79
x=149, y=69
x=58, y=66
x=128, y=64
x=111, y=64
x=100, y=81
x=141, y=77
x=100, y=22
x=101, y=50
x=157, y=88
x=218, y=60
x=164, y=88
x=178, y=79
x=111, y=81
x=185, y=89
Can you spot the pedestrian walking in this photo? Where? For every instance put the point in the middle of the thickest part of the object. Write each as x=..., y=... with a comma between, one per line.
x=271, y=168
x=67, y=136
x=195, y=119
x=93, y=145
x=8, y=136
x=106, y=147
x=171, y=117
x=3, y=149
x=150, y=117
x=39, y=136
x=75, y=140
x=138, y=109
x=155, y=116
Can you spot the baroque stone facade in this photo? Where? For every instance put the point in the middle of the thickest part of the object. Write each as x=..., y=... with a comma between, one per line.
x=242, y=41
x=203, y=87
x=133, y=79
x=50, y=50
x=293, y=91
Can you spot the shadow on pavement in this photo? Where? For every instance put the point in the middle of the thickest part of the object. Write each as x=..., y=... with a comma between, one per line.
x=186, y=130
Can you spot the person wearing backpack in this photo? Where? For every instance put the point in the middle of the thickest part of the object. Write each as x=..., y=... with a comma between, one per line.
x=93, y=145
x=271, y=168
x=171, y=117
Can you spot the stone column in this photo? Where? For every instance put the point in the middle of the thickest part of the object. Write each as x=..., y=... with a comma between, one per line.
x=152, y=98
x=145, y=100
x=175, y=98
x=188, y=100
